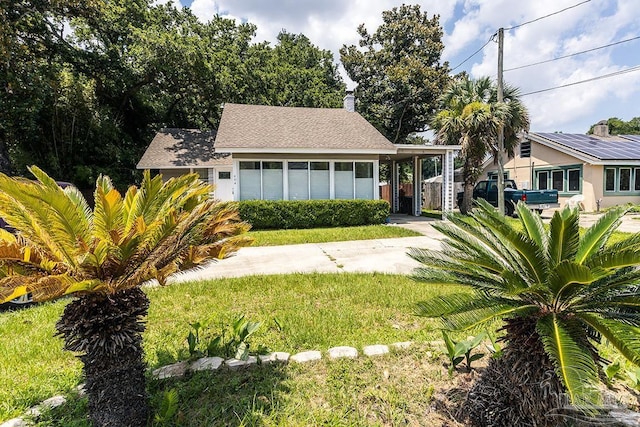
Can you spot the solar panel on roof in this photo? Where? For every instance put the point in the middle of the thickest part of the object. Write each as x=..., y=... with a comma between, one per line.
x=631, y=137
x=623, y=147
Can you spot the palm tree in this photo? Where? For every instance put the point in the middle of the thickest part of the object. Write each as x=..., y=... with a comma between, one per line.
x=557, y=292
x=471, y=117
x=102, y=257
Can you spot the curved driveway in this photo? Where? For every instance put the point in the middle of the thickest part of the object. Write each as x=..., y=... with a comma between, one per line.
x=380, y=255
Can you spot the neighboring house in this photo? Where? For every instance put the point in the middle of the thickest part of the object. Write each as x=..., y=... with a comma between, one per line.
x=599, y=170
x=289, y=153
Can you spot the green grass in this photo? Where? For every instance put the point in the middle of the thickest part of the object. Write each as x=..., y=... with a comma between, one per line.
x=315, y=311
x=322, y=235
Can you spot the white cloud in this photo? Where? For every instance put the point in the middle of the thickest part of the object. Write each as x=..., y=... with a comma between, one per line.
x=469, y=24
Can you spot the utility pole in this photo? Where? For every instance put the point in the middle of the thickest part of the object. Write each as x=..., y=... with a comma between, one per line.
x=501, y=126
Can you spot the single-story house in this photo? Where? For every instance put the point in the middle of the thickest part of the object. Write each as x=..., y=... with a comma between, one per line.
x=599, y=170
x=292, y=153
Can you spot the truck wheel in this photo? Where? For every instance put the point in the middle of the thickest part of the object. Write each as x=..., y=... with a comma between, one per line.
x=508, y=208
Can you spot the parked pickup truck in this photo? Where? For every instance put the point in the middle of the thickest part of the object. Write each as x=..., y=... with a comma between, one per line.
x=537, y=200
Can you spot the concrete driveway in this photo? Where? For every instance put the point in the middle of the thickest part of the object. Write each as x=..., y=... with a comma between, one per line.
x=380, y=255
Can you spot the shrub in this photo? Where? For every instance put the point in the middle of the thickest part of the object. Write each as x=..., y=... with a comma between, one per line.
x=285, y=214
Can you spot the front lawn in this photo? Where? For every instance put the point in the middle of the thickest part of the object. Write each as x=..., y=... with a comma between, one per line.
x=333, y=234
x=313, y=312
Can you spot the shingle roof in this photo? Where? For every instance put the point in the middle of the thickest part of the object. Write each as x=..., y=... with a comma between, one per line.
x=615, y=147
x=172, y=148
x=259, y=128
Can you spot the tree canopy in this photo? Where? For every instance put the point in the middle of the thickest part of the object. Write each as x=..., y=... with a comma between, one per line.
x=620, y=127
x=87, y=83
x=471, y=116
x=399, y=71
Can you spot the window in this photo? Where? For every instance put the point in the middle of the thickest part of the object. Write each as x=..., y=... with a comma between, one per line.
x=574, y=180
x=557, y=180
x=224, y=175
x=304, y=180
x=203, y=174
x=625, y=179
x=364, y=180
x=610, y=180
x=343, y=180
x=298, y=174
x=543, y=180
x=525, y=149
x=272, y=181
x=250, y=181
x=567, y=180
x=319, y=176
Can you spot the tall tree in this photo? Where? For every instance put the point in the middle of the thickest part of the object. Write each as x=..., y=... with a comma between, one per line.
x=295, y=72
x=471, y=116
x=102, y=257
x=399, y=71
x=87, y=83
x=557, y=292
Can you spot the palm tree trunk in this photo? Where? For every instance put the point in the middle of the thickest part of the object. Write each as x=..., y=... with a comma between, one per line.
x=520, y=388
x=107, y=331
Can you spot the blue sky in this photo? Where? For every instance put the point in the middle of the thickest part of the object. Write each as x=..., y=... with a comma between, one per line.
x=468, y=24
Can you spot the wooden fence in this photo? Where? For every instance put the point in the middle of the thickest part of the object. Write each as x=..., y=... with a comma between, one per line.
x=431, y=194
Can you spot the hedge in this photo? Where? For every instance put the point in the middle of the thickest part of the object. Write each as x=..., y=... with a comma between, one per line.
x=284, y=214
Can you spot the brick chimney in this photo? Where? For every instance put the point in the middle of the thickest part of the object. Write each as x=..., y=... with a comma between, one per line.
x=350, y=102
x=601, y=129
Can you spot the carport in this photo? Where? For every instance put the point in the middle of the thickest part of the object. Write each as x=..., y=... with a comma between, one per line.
x=415, y=154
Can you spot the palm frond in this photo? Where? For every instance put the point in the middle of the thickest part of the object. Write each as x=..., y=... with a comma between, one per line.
x=564, y=235
x=623, y=337
x=596, y=236
x=108, y=224
x=475, y=318
x=573, y=363
x=567, y=276
x=611, y=260
x=531, y=256
x=619, y=282
x=466, y=311
x=533, y=226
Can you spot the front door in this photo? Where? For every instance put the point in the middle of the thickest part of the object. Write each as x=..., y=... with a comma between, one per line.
x=224, y=184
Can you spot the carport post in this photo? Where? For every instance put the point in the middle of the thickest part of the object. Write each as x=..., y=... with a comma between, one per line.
x=417, y=186
x=395, y=187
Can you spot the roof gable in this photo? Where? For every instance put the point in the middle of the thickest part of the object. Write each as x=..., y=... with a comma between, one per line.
x=182, y=148
x=260, y=128
x=618, y=147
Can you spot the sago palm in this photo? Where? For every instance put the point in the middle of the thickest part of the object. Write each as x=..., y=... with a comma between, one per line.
x=557, y=292
x=102, y=257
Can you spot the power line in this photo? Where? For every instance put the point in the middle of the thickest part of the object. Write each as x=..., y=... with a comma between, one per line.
x=604, y=76
x=515, y=26
x=573, y=54
x=546, y=16
x=474, y=53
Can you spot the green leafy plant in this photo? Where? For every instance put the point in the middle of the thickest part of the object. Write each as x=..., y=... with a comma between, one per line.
x=166, y=413
x=557, y=291
x=494, y=348
x=461, y=350
x=634, y=377
x=193, y=339
x=286, y=214
x=612, y=371
x=233, y=340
